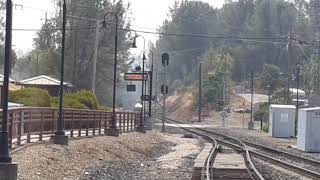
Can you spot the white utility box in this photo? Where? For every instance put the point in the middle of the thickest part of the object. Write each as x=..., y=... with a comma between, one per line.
x=281, y=120
x=308, y=129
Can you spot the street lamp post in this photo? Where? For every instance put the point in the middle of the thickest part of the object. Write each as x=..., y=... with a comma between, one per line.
x=4, y=146
x=8, y=171
x=141, y=127
x=151, y=81
x=59, y=136
x=113, y=129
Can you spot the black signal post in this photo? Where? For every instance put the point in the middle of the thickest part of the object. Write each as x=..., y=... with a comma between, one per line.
x=164, y=87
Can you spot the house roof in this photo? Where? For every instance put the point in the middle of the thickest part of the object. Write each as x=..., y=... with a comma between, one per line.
x=44, y=80
x=2, y=77
x=294, y=91
x=282, y=106
x=310, y=109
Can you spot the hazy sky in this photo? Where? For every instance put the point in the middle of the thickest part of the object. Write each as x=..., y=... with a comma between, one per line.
x=144, y=13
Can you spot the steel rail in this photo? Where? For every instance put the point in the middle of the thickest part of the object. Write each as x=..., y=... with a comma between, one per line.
x=281, y=163
x=289, y=166
x=211, y=156
x=273, y=150
x=284, y=153
x=286, y=165
x=253, y=172
x=210, y=160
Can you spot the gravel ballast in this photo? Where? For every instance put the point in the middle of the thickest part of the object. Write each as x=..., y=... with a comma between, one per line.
x=265, y=139
x=169, y=161
x=271, y=172
x=130, y=156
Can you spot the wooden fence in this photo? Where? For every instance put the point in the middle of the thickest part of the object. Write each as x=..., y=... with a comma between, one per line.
x=28, y=124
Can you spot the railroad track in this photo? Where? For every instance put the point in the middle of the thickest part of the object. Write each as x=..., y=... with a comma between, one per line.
x=233, y=143
x=301, y=165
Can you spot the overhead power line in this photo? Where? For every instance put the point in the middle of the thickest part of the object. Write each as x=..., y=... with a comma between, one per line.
x=272, y=40
x=206, y=35
x=54, y=29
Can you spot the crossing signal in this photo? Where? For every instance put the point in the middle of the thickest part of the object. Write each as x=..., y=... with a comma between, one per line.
x=164, y=89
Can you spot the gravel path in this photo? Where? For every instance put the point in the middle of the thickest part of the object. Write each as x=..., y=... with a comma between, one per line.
x=104, y=157
x=173, y=159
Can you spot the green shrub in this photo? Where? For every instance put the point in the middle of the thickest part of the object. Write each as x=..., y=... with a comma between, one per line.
x=265, y=127
x=104, y=108
x=88, y=99
x=79, y=100
x=31, y=97
x=263, y=113
x=54, y=102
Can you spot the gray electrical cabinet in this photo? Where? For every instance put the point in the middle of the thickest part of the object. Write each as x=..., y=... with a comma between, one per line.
x=308, y=130
x=282, y=120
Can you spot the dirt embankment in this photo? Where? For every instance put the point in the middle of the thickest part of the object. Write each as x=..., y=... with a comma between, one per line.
x=182, y=108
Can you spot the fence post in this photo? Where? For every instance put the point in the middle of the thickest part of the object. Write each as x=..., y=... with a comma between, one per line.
x=105, y=122
x=94, y=124
x=131, y=122
x=125, y=122
x=41, y=126
x=53, y=121
x=29, y=127
x=87, y=124
x=119, y=118
x=100, y=122
x=80, y=124
x=72, y=122
x=128, y=121
x=20, y=126
x=11, y=115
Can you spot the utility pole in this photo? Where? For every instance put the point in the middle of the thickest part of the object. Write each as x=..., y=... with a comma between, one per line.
x=251, y=123
x=297, y=102
x=75, y=50
x=155, y=93
x=46, y=18
x=289, y=66
x=200, y=93
x=95, y=57
x=318, y=55
x=224, y=80
x=37, y=63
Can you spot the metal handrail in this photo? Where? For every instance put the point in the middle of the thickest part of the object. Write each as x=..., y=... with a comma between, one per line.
x=24, y=123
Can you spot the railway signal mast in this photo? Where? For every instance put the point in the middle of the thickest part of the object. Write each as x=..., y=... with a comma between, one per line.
x=164, y=87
